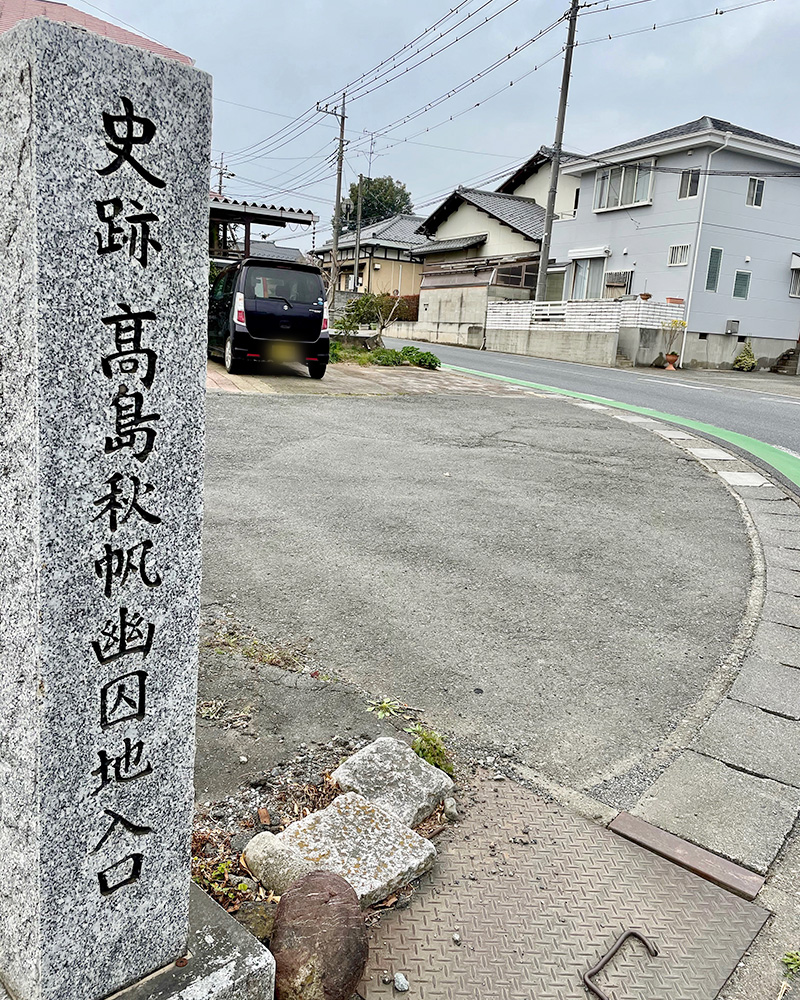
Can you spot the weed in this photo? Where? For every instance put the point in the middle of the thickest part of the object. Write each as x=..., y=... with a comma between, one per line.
x=429, y=745
x=213, y=874
x=792, y=962
x=386, y=357
x=384, y=707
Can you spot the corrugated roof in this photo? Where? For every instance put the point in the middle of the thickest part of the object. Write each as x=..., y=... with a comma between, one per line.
x=14, y=11
x=221, y=199
x=446, y=246
x=703, y=124
x=524, y=215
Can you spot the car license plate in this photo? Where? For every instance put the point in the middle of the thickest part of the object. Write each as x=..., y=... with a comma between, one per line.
x=283, y=352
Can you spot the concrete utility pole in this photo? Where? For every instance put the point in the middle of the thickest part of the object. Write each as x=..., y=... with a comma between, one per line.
x=358, y=232
x=550, y=211
x=337, y=211
x=222, y=173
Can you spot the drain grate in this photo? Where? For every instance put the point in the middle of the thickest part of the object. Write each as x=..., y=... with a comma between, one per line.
x=538, y=897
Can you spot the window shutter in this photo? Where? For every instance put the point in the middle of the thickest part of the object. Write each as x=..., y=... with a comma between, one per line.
x=714, y=266
x=741, y=285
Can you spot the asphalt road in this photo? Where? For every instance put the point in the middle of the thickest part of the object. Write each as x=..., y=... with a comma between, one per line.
x=531, y=574
x=761, y=405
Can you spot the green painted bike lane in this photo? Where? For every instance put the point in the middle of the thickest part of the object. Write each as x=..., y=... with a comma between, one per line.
x=784, y=463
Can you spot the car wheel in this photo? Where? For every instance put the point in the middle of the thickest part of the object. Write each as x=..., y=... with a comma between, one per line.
x=316, y=369
x=230, y=362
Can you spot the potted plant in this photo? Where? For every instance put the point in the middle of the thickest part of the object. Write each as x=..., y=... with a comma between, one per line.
x=645, y=296
x=672, y=330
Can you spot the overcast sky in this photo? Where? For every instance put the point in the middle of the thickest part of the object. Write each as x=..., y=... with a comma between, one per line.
x=280, y=57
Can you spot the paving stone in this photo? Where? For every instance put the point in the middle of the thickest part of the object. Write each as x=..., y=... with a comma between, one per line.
x=783, y=610
x=390, y=774
x=784, y=507
x=712, y=455
x=781, y=580
x=364, y=844
x=750, y=738
x=672, y=435
x=740, y=816
x=275, y=864
x=769, y=685
x=776, y=642
x=781, y=555
x=743, y=478
x=764, y=493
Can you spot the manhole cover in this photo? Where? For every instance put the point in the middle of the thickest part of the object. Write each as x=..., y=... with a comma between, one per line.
x=537, y=897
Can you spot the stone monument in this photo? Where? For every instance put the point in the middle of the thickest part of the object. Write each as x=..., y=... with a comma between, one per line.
x=104, y=158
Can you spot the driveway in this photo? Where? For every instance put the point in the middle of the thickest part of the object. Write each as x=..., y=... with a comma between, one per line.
x=538, y=578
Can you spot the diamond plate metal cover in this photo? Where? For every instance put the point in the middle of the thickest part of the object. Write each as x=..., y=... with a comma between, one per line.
x=538, y=896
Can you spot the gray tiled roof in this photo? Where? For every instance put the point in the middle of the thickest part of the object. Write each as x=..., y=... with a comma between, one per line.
x=445, y=246
x=524, y=215
x=692, y=128
x=399, y=230
x=269, y=251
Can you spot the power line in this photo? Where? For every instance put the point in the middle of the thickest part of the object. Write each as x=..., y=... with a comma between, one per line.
x=302, y=119
x=431, y=55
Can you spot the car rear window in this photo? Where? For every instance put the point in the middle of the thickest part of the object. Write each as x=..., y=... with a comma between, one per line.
x=303, y=287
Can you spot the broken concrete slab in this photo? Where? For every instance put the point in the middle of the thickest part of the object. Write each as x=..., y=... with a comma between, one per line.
x=390, y=774
x=364, y=844
x=276, y=865
x=754, y=740
x=769, y=685
x=225, y=961
x=740, y=816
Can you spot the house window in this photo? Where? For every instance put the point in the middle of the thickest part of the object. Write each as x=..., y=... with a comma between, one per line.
x=794, y=283
x=623, y=186
x=587, y=278
x=755, y=192
x=714, y=267
x=618, y=283
x=554, y=291
x=678, y=254
x=690, y=182
x=741, y=285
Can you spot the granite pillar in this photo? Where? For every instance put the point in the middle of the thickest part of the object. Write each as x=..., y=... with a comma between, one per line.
x=104, y=157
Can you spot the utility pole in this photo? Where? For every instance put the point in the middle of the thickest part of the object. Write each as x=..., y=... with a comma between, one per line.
x=337, y=211
x=358, y=232
x=550, y=211
x=222, y=173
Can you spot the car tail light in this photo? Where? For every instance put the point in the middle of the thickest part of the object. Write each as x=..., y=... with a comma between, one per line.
x=239, y=308
x=325, y=317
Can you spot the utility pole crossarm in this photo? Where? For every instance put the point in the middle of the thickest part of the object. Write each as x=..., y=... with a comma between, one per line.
x=555, y=165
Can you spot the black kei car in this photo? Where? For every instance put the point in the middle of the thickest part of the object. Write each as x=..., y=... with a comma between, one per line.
x=264, y=310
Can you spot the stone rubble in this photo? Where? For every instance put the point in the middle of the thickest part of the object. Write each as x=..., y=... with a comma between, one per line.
x=389, y=774
x=276, y=864
x=364, y=844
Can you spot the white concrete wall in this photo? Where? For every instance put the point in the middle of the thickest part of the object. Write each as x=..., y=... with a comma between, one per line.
x=500, y=240
x=538, y=185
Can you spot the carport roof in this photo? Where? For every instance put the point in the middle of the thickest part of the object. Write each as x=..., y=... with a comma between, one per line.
x=229, y=210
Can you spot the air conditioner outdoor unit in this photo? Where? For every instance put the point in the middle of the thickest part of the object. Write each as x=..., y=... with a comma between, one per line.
x=732, y=326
